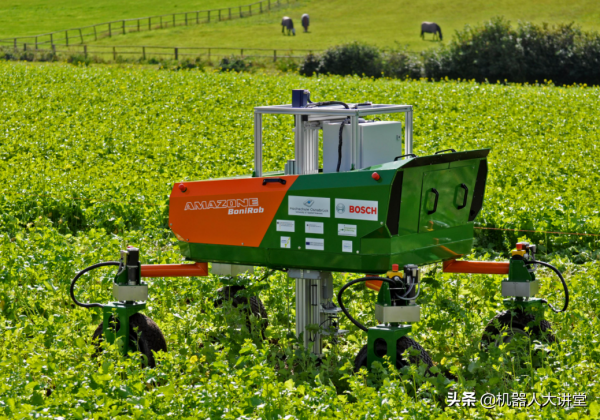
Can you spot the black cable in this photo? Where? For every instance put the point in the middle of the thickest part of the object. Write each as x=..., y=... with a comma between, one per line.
x=565, y=288
x=326, y=103
x=340, y=144
x=345, y=105
x=81, y=273
x=350, y=283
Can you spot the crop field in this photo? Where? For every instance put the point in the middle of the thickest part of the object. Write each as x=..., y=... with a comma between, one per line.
x=88, y=156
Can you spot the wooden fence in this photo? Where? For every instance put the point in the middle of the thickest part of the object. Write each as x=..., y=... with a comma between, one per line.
x=90, y=33
x=146, y=52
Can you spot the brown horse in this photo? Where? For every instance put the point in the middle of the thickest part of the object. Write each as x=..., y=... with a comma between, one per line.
x=431, y=28
x=305, y=21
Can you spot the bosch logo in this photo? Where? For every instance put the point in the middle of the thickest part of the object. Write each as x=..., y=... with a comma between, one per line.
x=346, y=208
x=362, y=210
x=309, y=203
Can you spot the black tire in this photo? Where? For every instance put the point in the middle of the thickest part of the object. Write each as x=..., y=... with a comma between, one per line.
x=149, y=338
x=515, y=324
x=402, y=345
x=254, y=304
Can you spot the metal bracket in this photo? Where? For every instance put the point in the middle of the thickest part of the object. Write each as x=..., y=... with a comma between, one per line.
x=520, y=288
x=298, y=273
x=230, y=269
x=390, y=335
x=122, y=311
x=408, y=313
x=123, y=292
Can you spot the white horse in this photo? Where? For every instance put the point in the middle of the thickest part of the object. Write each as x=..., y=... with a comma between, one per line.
x=431, y=28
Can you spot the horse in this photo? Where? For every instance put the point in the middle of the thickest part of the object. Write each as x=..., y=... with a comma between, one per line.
x=431, y=28
x=287, y=23
x=305, y=21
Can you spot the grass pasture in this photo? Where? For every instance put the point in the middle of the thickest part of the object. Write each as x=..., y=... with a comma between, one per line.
x=32, y=17
x=382, y=23
x=88, y=157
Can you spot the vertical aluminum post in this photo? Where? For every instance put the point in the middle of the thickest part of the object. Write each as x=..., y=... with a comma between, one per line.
x=314, y=290
x=299, y=143
x=301, y=308
x=258, y=144
x=408, y=134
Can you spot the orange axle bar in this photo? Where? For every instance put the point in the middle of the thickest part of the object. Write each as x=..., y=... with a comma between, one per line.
x=374, y=284
x=476, y=267
x=175, y=270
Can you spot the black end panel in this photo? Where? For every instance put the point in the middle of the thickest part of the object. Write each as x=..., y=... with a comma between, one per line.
x=393, y=217
x=479, y=193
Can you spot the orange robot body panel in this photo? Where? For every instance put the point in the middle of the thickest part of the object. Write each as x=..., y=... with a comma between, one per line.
x=226, y=212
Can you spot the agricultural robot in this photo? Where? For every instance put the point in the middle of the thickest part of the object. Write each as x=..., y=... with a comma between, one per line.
x=355, y=199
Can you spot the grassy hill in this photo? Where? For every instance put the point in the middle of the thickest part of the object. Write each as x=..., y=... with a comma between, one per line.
x=32, y=17
x=382, y=23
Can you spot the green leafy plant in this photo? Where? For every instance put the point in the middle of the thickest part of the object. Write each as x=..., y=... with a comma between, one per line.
x=88, y=170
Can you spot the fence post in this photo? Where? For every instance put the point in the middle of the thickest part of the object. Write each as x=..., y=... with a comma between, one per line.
x=269, y=5
x=219, y=15
x=161, y=22
x=144, y=52
x=260, y=7
x=95, y=34
x=197, y=18
x=85, y=50
x=186, y=19
x=67, y=38
x=114, y=53
x=209, y=54
x=173, y=19
x=242, y=52
x=208, y=17
x=109, y=30
x=241, y=12
x=149, y=23
x=230, y=13
x=250, y=10
x=176, y=50
x=36, y=43
x=274, y=55
x=15, y=44
x=25, y=47
x=123, y=26
x=80, y=35
x=138, y=21
x=54, y=50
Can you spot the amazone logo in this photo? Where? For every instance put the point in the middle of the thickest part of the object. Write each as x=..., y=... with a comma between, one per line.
x=223, y=204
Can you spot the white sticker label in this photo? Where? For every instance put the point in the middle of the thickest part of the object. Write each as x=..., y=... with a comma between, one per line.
x=309, y=206
x=346, y=246
x=356, y=209
x=285, y=242
x=346, y=230
x=285, y=226
x=313, y=227
x=318, y=244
